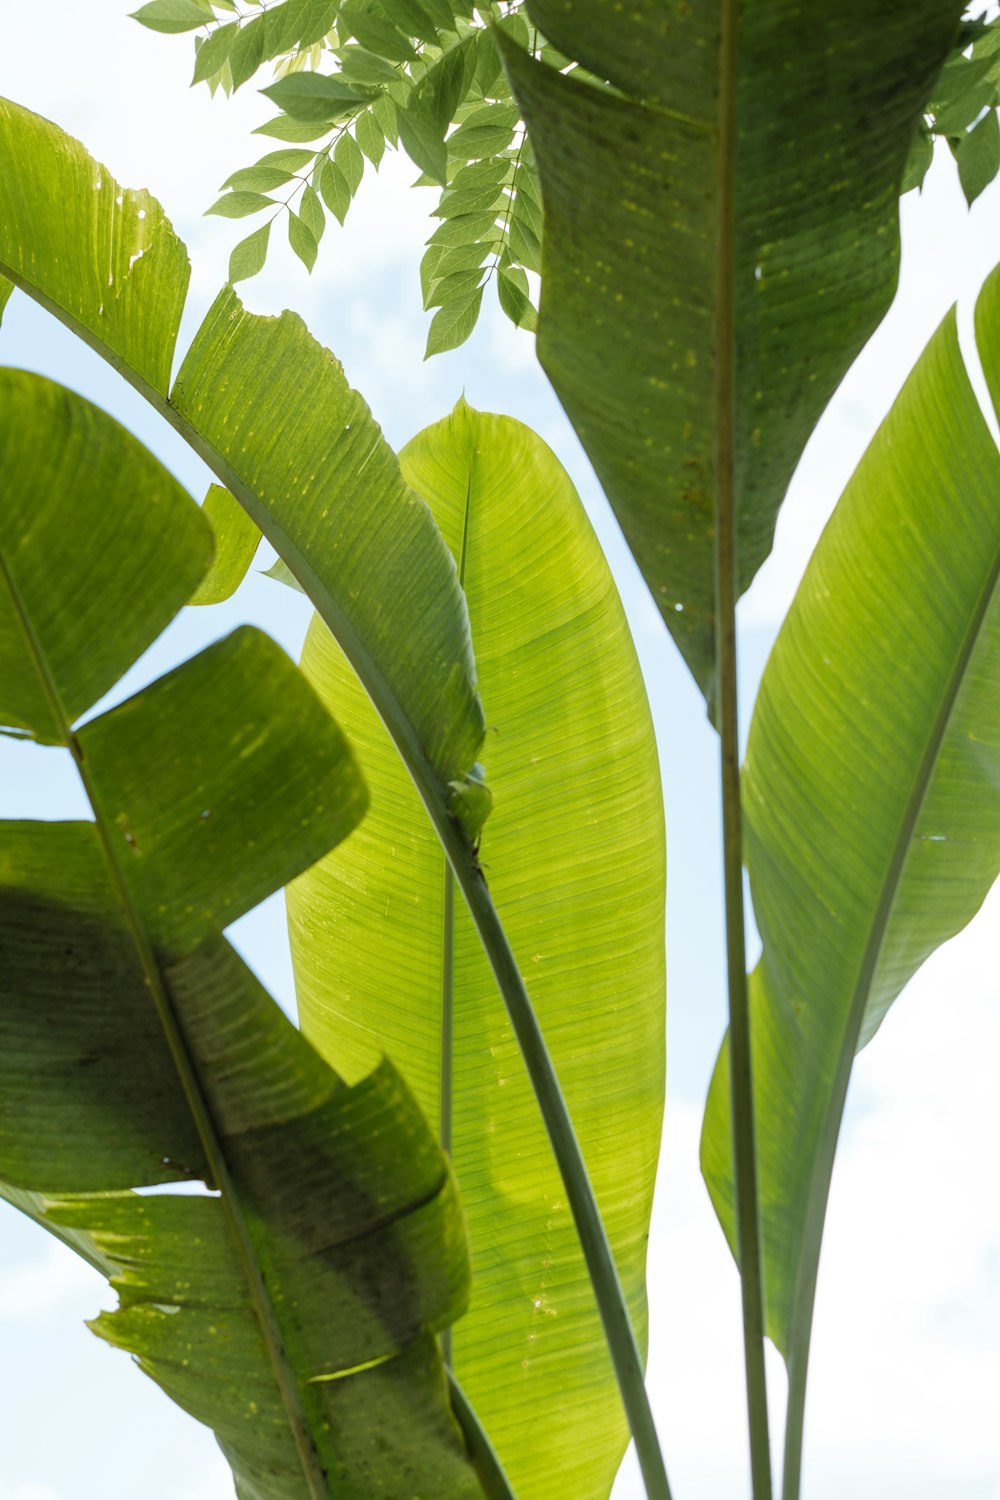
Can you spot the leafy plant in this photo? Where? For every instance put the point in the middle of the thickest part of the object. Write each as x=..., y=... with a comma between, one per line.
x=355, y=78
x=963, y=111
x=291, y=1309
x=576, y=835
x=318, y=478
x=403, y=73
x=720, y=190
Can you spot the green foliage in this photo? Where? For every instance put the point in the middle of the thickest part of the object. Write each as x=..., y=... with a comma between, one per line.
x=271, y=413
x=634, y=263
x=719, y=239
x=871, y=790
x=963, y=111
x=399, y=72
x=578, y=831
x=292, y=1309
x=63, y=220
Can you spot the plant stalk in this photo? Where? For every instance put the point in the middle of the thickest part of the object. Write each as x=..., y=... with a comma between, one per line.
x=600, y=1262
x=489, y=1470
x=727, y=718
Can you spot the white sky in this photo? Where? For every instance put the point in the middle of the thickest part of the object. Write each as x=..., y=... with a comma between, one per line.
x=906, y=1363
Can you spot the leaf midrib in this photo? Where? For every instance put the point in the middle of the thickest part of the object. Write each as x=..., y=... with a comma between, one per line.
x=186, y=1071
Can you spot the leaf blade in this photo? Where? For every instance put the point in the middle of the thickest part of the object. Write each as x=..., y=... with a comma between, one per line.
x=551, y=767
x=914, y=844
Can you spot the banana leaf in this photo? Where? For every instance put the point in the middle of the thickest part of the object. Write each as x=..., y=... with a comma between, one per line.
x=725, y=213
x=871, y=797
x=271, y=413
x=292, y=1305
x=573, y=855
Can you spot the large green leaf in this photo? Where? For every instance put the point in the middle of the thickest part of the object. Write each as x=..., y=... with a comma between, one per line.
x=298, y=449
x=272, y=413
x=292, y=1309
x=573, y=854
x=99, y=254
x=871, y=792
x=637, y=270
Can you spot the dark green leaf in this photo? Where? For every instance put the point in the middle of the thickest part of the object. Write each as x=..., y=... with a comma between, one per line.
x=174, y=15
x=962, y=90
x=6, y=288
x=423, y=140
x=236, y=542
x=919, y=160
x=452, y=324
x=302, y=240
x=239, y=205
x=978, y=157
x=137, y=1049
x=825, y=97
x=512, y=290
x=314, y=97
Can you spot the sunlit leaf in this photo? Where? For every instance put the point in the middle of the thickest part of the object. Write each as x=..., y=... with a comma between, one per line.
x=575, y=832
x=871, y=791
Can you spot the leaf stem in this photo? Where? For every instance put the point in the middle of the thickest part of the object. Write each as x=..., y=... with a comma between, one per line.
x=727, y=717
x=604, y=1278
x=489, y=1470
